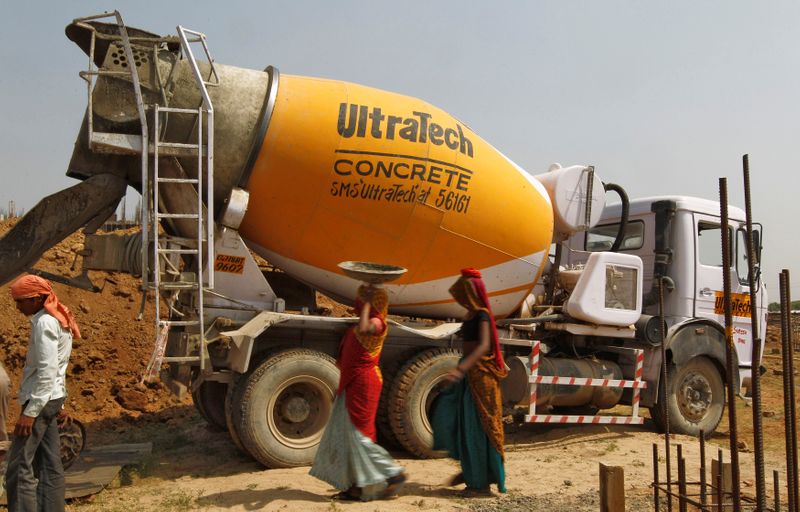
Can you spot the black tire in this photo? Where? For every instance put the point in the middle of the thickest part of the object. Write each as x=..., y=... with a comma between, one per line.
x=695, y=398
x=209, y=400
x=230, y=396
x=413, y=391
x=280, y=409
x=389, y=371
x=72, y=438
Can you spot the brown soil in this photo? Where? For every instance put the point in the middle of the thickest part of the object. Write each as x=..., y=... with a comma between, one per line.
x=548, y=468
x=108, y=363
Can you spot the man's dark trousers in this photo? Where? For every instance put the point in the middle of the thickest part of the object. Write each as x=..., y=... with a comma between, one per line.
x=37, y=457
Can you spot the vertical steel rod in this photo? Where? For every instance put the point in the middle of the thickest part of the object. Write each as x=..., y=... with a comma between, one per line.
x=663, y=386
x=755, y=359
x=793, y=401
x=788, y=391
x=720, y=494
x=702, y=468
x=681, y=482
x=655, y=478
x=730, y=349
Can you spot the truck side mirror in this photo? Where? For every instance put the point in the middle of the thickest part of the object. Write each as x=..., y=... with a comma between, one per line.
x=757, y=245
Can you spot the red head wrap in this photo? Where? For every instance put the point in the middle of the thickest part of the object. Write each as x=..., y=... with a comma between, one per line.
x=471, y=272
x=473, y=275
x=33, y=286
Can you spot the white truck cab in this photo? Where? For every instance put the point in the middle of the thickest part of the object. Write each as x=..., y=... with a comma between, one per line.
x=679, y=237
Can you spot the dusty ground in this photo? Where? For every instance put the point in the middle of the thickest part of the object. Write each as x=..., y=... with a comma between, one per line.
x=194, y=468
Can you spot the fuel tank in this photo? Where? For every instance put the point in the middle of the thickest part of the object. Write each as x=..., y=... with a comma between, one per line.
x=335, y=171
x=516, y=388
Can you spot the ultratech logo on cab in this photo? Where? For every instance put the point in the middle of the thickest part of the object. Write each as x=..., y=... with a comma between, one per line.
x=419, y=128
x=740, y=304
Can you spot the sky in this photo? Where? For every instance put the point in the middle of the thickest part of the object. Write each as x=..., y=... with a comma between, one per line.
x=661, y=97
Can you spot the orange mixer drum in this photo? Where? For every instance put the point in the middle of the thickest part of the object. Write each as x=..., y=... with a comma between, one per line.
x=348, y=172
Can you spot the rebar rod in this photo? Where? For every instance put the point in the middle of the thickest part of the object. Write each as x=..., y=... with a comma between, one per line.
x=788, y=392
x=720, y=494
x=702, y=468
x=655, y=478
x=663, y=386
x=755, y=359
x=730, y=350
x=793, y=400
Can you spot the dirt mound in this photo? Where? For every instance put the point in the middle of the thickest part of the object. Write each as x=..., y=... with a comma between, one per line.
x=108, y=363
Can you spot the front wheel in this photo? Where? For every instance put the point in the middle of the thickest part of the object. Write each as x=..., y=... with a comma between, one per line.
x=417, y=384
x=280, y=409
x=695, y=398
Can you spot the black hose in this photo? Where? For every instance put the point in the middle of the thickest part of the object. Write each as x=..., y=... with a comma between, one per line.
x=623, y=223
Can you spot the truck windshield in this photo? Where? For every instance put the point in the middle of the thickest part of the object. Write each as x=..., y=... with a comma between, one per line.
x=601, y=238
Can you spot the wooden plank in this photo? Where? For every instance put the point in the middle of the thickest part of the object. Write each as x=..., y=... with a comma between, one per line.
x=612, y=488
x=97, y=467
x=727, y=481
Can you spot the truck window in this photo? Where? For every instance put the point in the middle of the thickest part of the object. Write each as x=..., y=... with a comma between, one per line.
x=742, y=269
x=621, y=287
x=601, y=238
x=709, y=244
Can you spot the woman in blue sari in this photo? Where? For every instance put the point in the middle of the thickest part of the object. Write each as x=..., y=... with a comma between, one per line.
x=467, y=416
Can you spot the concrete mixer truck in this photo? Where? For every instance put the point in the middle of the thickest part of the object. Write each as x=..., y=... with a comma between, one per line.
x=307, y=173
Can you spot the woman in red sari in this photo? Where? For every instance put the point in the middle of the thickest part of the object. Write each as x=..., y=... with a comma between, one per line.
x=348, y=457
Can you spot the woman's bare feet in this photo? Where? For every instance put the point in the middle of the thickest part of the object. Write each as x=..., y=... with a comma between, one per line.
x=477, y=492
x=455, y=480
x=351, y=494
x=394, y=484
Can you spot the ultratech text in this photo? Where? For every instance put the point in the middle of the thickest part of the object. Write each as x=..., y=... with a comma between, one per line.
x=401, y=193
x=425, y=172
x=419, y=128
x=740, y=304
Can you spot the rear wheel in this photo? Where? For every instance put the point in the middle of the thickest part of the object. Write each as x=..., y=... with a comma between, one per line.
x=389, y=371
x=281, y=408
x=209, y=400
x=417, y=384
x=695, y=398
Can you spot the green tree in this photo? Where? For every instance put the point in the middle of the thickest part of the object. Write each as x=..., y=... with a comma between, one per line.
x=776, y=306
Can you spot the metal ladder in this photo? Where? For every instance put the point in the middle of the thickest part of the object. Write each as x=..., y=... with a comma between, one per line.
x=164, y=247
x=203, y=184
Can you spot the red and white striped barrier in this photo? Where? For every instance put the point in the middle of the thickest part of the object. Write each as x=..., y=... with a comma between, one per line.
x=584, y=381
x=586, y=420
x=535, y=379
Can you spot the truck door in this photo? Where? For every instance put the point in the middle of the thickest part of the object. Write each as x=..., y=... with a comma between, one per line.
x=709, y=282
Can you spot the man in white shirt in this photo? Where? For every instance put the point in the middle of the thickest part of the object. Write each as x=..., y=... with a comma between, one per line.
x=5, y=393
x=42, y=394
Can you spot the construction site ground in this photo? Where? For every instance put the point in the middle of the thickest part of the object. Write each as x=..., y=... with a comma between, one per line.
x=192, y=467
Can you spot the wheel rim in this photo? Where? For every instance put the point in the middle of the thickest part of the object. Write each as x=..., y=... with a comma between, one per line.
x=695, y=397
x=72, y=439
x=428, y=396
x=298, y=411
